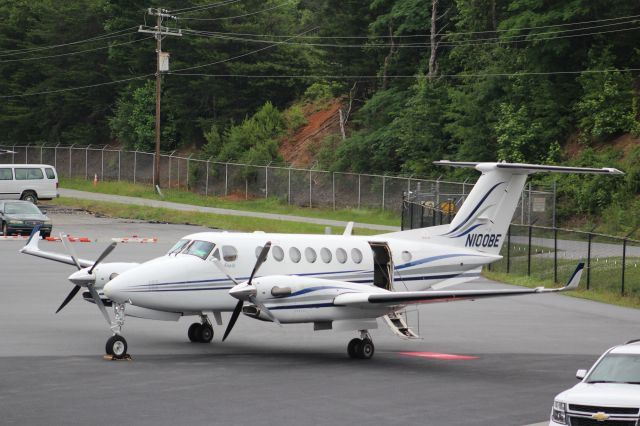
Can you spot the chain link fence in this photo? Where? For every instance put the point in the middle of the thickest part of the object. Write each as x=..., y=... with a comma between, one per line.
x=301, y=187
x=547, y=253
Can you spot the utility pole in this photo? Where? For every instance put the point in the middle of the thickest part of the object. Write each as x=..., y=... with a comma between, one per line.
x=162, y=64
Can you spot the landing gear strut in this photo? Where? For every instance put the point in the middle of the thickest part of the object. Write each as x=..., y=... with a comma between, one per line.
x=201, y=332
x=361, y=348
x=117, y=345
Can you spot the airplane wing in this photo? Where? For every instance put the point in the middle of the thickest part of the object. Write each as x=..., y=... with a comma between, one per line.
x=411, y=297
x=32, y=248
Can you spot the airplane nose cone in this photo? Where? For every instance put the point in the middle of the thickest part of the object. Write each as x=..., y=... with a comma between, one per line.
x=243, y=291
x=82, y=278
x=114, y=290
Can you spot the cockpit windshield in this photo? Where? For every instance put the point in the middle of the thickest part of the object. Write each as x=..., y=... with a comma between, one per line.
x=177, y=248
x=200, y=249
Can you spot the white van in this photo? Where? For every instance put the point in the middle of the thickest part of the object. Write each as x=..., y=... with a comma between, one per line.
x=29, y=182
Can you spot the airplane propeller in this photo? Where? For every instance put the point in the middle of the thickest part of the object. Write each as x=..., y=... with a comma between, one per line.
x=85, y=280
x=248, y=292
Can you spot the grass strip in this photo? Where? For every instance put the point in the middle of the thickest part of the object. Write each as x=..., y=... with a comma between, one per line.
x=236, y=223
x=604, y=296
x=267, y=205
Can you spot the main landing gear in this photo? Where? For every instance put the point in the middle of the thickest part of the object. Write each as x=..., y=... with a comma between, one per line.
x=116, y=346
x=361, y=348
x=201, y=332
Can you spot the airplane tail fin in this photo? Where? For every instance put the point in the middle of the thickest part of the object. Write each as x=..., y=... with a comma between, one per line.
x=484, y=217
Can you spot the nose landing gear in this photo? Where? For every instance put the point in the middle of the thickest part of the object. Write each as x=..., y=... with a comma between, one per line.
x=116, y=346
x=361, y=348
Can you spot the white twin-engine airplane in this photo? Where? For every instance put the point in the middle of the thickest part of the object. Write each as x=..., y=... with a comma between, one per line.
x=339, y=282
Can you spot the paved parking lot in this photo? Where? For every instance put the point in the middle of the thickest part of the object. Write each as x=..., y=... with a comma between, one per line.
x=526, y=350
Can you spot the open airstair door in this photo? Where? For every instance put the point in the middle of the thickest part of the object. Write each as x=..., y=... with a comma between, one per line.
x=382, y=266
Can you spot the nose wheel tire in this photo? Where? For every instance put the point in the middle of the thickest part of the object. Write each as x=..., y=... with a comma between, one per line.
x=360, y=349
x=116, y=346
x=200, y=333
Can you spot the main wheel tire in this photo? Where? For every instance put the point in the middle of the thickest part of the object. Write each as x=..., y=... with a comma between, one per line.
x=30, y=196
x=206, y=333
x=194, y=332
x=366, y=349
x=353, y=348
x=116, y=346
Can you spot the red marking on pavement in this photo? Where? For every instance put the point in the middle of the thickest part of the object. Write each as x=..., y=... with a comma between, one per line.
x=438, y=355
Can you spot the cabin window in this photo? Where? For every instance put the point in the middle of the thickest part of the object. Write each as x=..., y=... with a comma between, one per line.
x=177, y=247
x=356, y=255
x=5, y=174
x=310, y=255
x=200, y=249
x=341, y=255
x=325, y=254
x=294, y=255
x=50, y=173
x=229, y=253
x=216, y=254
x=406, y=256
x=278, y=253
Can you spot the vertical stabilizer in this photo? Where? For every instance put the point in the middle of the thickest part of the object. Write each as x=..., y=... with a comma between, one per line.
x=483, y=219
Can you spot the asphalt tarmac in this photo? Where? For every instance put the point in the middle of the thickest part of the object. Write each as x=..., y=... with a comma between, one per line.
x=524, y=351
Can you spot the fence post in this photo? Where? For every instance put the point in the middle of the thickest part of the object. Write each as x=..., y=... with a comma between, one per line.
x=188, y=169
x=310, y=188
x=170, y=155
x=289, y=187
x=119, y=162
x=206, y=184
x=333, y=188
x=102, y=163
x=86, y=162
x=529, y=205
x=554, y=202
x=26, y=154
x=55, y=156
x=383, y=189
x=71, y=147
x=266, y=180
x=529, y=253
x=555, y=254
x=13, y=154
x=178, y=172
x=135, y=164
x=41, y=146
x=624, y=258
x=359, y=179
x=589, y=261
x=509, y=249
x=226, y=178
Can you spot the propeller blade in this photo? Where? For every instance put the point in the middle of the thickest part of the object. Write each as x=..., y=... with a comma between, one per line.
x=264, y=309
x=224, y=270
x=70, y=296
x=104, y=254
x=233, y=319
x=261, y=259
x=70, y=250
x=96, y=298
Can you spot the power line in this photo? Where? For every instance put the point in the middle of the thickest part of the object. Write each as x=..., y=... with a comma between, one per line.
x=631, y=18
x=46, y=92
x=74, y=53
x=237, y=16
x=510, y=39
x=56, y=46
x=414, y=76
x=242, y=55
x=203, y=7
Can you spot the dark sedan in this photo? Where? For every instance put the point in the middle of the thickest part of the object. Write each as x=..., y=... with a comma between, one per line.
x=20, y=217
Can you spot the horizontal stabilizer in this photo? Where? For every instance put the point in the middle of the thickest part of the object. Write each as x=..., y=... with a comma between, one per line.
x=529, y=168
